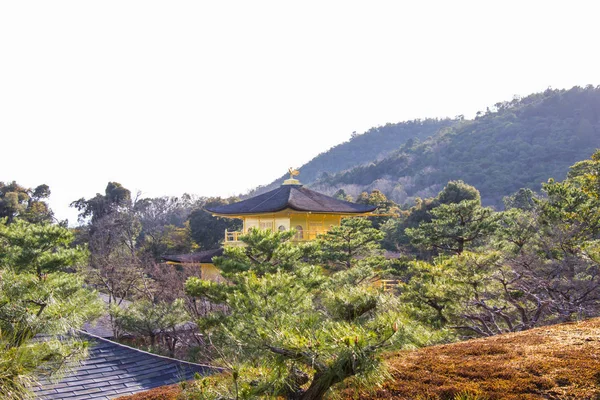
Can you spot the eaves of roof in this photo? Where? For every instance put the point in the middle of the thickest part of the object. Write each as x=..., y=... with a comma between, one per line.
x=112, y=370
x=294, y=197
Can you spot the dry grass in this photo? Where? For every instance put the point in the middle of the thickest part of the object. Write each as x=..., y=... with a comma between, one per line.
x=161, y=393
x=555, y=362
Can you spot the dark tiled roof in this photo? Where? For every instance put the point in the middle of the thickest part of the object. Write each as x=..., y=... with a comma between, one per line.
x=112, y=370
x=199, y=257
x=295, y=197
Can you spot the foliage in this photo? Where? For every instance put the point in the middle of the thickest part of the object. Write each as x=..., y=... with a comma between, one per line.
x=147, y=227
x=569, y=226
x=523, y=199
x=17, y=201
x=385, y=208
x=112, y=236
x=516, y=228
x=539, y=265
x=265, y=251
x=343, y=246
x=206, y=230
x=551, y=362
x=170, y=240
x=114, y=266
x=126, y=237
x=465, y=292
x=430, y=294
x=151, y=320
x=115, y=197
x=342, y=195
x=517, y=144
x=293, y=329
x=37, y=248
x=454, y=227
x=165, y=225
x=396, y=228
x=38, y=297
x=363, y=149
x=457, y=191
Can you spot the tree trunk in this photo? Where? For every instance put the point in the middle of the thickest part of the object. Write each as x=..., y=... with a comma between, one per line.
x=461, y=246
x=318, y=387
x=322, y=381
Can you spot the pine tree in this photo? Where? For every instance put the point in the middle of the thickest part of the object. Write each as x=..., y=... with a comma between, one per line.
x=454, y=227
x=292, y=329
x=39, y=296
x=344, y=245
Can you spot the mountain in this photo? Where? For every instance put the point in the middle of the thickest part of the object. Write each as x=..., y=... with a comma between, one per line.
x=516, y=144
x=370, y=146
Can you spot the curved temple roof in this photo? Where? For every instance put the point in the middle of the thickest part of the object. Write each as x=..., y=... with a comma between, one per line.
x=112, y=370
x=295, y=197
x=202, y=257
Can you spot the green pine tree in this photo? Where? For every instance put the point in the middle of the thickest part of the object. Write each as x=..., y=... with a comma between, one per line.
x=296, y=330
x=454, y=227
x=39, y=295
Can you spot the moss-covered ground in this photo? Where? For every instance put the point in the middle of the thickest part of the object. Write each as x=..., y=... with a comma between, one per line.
x=553, y=362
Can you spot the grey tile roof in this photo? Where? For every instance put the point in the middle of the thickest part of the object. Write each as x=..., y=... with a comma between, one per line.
x=112, y=370
x=295, y=197
x=205, y=256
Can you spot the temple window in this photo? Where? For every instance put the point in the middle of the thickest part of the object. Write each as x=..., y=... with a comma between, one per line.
x=266, y=225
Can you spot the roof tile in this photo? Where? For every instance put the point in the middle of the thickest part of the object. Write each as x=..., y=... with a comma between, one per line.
x=295, y=197
x=112, y=370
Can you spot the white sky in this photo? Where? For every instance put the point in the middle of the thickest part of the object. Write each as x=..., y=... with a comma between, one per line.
x=215, y=98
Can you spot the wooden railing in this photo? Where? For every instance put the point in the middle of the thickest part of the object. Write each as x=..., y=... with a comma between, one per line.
x=386, y=284
x=307, y=235
x=232, y=237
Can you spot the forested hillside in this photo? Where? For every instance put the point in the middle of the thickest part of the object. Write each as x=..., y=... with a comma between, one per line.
x=372, y=145
x=519, y=144
x=516, y=144
x=458, y=269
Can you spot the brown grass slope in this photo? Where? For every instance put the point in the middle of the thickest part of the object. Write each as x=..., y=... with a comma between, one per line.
x=553, y=362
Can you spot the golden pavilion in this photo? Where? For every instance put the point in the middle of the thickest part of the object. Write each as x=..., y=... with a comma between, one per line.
x=291, y=206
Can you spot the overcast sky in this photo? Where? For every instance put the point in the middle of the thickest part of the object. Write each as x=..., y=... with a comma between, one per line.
x=215, y=98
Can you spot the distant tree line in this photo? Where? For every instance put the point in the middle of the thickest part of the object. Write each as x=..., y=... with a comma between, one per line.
x=517, y=144
x=300, y=321
x=365, y=148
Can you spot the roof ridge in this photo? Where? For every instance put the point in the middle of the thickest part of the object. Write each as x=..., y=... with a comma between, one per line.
x=295, y=197
x=111, y=369
x=309, y=193
x=101, y=339
x=275, y=192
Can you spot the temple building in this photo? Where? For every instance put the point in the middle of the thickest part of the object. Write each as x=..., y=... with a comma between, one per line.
x=111, y=369
x=290, y=206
